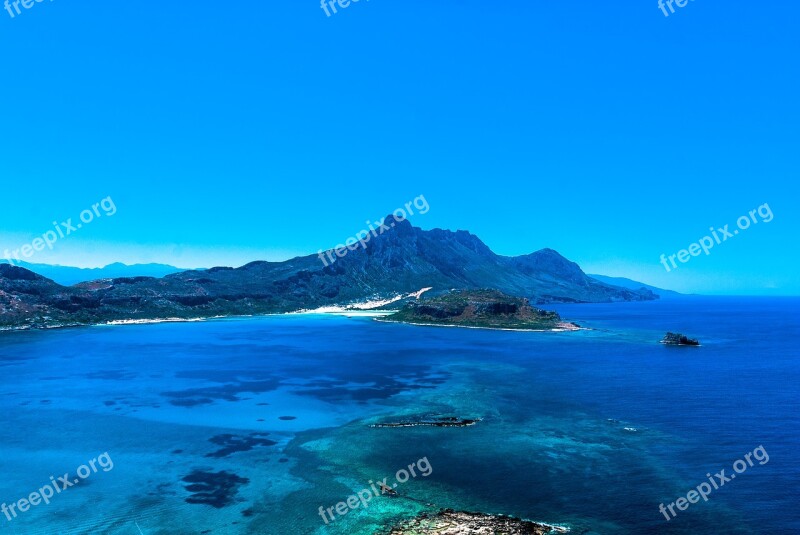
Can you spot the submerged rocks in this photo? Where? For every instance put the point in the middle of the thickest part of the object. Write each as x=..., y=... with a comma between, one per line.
x=431, y=421
x=217, y=489
x=450, y=522
x=235, y=443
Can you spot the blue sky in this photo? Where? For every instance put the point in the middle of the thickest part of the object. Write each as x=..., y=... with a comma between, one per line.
x=227, y=132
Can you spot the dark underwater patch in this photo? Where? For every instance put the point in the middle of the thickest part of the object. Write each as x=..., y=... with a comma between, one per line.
x=217, y=489
x=369, y=386
x=236, y=443
x=227, y=392
x=191, y=402
x=111, y=375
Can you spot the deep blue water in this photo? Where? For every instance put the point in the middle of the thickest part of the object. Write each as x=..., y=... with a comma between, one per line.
x=264, y=420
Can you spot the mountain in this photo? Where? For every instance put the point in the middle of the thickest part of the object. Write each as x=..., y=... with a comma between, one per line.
x=67, y=276
x=633, y=285
x=400, y=260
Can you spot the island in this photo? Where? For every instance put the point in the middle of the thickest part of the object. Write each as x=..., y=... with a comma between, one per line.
x=677, y=339
x=450, y=522
x=486, y=308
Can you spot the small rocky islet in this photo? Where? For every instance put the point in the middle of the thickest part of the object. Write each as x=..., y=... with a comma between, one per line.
x=678, y=339
x=450, y=522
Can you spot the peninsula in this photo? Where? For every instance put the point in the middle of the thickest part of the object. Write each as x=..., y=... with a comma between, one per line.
x=490, y=309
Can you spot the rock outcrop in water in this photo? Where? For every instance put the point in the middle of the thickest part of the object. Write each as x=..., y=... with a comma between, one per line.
x=431, y=421
x=449, y=522
x=677, y=339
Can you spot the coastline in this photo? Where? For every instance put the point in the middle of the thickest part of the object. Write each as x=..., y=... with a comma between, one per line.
x=562, y=327
x=366, y=308
x=147, y=321
x=114, y=323
x=334, y=311
x=376, y=315
x=359, y=309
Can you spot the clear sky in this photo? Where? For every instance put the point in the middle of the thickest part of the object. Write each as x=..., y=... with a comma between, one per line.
x=228, y=132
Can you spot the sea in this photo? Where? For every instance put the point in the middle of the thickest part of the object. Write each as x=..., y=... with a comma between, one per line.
x=264, y=425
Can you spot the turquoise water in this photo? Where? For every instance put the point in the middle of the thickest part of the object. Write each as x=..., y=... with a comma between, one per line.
x=251, y=425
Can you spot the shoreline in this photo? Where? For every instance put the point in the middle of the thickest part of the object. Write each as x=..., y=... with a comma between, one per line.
x=359, y=309
x=152, y=321
x=559, y=329
x=376, y=315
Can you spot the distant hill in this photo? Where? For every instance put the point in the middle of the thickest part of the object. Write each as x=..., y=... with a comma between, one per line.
x=67, y=276
x=633, y=285
x=401, y=260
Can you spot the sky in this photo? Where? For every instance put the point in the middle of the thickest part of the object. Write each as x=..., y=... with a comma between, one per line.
x=228, y=132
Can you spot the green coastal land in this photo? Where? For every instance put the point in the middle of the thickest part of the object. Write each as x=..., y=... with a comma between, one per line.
x=490, y=309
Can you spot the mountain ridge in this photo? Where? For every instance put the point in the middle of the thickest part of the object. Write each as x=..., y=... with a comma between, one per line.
x=70, y=275
x=399, y=261
x=631, y=284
